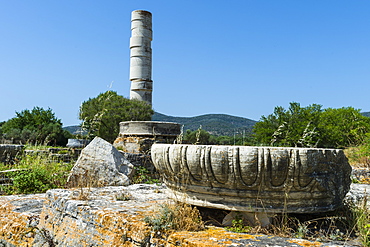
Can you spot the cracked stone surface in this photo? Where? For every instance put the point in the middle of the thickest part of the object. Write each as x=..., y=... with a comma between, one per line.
x=113, y=216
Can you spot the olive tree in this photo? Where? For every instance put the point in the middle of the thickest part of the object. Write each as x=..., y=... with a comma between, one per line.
x=101, y=115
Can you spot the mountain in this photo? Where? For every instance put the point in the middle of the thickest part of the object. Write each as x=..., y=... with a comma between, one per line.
x=75, y=129
x=366, y=114
x=216, y=124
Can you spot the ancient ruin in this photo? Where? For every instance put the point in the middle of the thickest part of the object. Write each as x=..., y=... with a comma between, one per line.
x=141, y=56
x=254, y=179
x=100, y=164
x=137, y=136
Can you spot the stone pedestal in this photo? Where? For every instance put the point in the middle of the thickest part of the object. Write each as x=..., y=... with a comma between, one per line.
x=254, y=179
x=138, y=136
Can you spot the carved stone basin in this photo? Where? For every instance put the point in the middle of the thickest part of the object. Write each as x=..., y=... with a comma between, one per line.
x=254, y=179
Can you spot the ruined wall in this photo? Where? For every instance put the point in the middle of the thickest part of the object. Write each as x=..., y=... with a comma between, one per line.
x=8, y=152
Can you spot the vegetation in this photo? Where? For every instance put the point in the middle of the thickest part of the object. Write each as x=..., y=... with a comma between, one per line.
x=359, y=156
x=144, y=176
x=175, y=216
x=200, y=136
x=215, y=124
x=238, y=225
x=101, y=115
x=36, y=173
x=38, y=126
x=362, y=222
x=312, y=126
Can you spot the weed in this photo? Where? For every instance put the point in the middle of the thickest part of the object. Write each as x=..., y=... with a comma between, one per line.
x=175, y=216
x=123, y=196
x=238, y=225
x=362, y=222
x=143, y=175
x=302, y=230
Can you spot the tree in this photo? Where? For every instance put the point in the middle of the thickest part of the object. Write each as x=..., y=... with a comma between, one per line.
x=293, y=127
x=343, y=127
x=101, y=115
x=36, y=126
x=199, y=136
x=312, y=127
x=1, y=128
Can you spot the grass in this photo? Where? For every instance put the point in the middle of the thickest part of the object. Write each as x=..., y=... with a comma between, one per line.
x=358, y=157
x=36, y=174
x=362, y=222
x=175, y=216
x=348, y=223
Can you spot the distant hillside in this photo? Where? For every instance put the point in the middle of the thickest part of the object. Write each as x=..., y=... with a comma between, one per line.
x=75, y=129
x=216, y=124
x=366, y=114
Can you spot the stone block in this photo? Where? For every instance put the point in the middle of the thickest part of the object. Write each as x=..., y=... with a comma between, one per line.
x=100, y=164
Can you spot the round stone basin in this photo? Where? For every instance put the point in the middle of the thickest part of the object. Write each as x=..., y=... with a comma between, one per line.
x=254, y=179
x=149, y=128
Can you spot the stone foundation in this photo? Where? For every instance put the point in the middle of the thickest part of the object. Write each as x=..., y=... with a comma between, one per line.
x=139, y=136
x=8, y=152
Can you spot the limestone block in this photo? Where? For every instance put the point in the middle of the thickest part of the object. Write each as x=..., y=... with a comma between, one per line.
x=254, y=179
x=99, y=216
x=100, y=164
x=19, y=216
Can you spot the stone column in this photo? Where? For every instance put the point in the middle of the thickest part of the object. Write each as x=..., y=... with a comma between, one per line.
x=141, y=56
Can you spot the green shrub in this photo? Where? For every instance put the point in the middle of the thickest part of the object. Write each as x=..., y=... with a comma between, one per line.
x=36, y=180
x=37, y=174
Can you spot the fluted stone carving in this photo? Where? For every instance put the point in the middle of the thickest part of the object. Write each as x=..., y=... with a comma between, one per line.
x=254, y=179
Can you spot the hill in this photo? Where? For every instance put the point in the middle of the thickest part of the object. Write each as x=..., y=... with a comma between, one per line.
x=75, y=129
x=366, y=114
x=216, y=124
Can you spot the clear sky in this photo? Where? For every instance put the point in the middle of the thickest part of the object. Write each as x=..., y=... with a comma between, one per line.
x=237, y=57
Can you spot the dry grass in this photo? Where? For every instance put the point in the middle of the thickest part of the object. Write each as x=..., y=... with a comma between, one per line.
x=175, y=216
x=357, y=158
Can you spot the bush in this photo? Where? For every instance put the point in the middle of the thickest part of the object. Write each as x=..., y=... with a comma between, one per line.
x=32, y=181
x=37, y=174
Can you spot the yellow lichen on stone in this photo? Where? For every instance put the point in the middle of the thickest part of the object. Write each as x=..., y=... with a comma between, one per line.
x=305, y=243
x=117, y=227
x=14, y=226
x=213, y=236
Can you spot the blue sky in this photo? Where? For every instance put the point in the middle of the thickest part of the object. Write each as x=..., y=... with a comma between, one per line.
x=241, y=58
